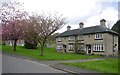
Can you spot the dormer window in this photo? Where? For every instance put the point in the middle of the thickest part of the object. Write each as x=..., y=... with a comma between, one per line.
x=59, y=39
x=99, y=36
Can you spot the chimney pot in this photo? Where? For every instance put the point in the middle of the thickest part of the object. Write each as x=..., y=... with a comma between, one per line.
x=68, y=28
x=102, y=22
x=81, y=25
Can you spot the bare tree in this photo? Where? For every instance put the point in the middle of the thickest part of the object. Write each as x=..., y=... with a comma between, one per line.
x=12, y=17
x=47, y=25
x=30, y=33
x=109, y=23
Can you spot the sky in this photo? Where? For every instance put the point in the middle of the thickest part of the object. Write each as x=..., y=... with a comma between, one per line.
x=87, y=11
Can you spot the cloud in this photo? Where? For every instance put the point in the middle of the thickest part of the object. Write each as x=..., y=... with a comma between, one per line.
x=70, y=8
x=87, y=11
x=109, y=14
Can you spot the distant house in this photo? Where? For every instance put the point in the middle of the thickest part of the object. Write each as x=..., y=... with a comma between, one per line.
x=6, y=37
x=20, y=42
x=92, y=40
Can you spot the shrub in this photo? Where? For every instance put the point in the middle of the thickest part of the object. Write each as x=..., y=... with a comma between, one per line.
x=31, y=45
x=82, y=52
x=3, y=43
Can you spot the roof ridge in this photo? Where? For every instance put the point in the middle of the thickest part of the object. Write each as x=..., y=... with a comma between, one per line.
x=88, y=30
x=85, y=27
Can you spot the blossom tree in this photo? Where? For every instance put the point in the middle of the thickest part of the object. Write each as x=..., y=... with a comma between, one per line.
x=30, y=33
x=12, y=20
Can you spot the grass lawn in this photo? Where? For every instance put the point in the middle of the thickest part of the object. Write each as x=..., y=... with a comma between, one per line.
x=49, y=54
x=104, y=66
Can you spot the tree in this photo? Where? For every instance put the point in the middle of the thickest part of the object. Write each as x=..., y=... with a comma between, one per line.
x=47, y=25
x=76, y=44
x=12, y=19
x=51, y=41
x=116, y=27
x=30, y=34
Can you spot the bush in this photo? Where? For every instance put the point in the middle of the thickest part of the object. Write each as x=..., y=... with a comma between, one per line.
x=31, y=45
x=82, y=52
x=3, y=43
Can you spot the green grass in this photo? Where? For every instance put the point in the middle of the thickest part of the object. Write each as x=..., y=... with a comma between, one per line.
x=104, y=66
x=49, y=54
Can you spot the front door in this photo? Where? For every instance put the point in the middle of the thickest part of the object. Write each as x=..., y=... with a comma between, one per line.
x=64, y=48
x=88, y=49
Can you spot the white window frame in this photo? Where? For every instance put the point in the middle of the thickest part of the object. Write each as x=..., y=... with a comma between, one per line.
x=98, y=36
x=98, y=47
x=59, y=47
x=70, y=47
x=59, y=39
x=81, y=47
x=102, y=47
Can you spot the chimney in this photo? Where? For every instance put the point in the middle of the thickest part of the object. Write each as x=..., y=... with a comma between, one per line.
x=81, y=25
x=102, y=22
x=68, y=28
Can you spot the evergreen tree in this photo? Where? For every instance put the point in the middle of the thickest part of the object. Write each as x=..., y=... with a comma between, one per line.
x=116, y=27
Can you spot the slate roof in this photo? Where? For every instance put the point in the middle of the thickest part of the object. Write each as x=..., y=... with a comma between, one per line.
x=87, y=30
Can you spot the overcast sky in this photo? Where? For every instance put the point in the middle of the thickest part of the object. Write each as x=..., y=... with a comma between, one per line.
x=76, y=11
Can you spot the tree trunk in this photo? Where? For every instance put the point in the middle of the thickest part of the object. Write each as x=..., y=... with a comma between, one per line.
x=76, y=45
x=14, y=46
x=42, y=48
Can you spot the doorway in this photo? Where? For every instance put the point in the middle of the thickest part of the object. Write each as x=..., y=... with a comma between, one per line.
x=88, y=48
x=64, y=48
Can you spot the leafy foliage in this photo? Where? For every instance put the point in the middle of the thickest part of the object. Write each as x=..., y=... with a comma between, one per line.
x=30, y=45
x=116, y=27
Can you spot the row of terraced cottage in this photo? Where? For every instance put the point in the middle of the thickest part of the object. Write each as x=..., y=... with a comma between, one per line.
x=92, y=40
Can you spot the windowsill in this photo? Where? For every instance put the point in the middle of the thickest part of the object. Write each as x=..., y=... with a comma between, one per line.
x=70, y=50
x=70, y=40
x=71, y=43
x=98, y=51
x=59, y=41
x=98, y=39
x=80, y=40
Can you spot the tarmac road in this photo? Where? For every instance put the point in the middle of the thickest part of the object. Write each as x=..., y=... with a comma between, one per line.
x=17, y=65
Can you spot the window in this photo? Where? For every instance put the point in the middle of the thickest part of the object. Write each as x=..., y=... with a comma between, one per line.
x=81, y=47
x=80, y=37
x=59, y=39
x=71, y=38
x=59, y=47
x=102, y=47
x=98, y=47
x=99, y=36
x=70, y=47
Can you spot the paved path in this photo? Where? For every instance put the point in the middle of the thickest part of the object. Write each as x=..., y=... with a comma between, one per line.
x=72, y=69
